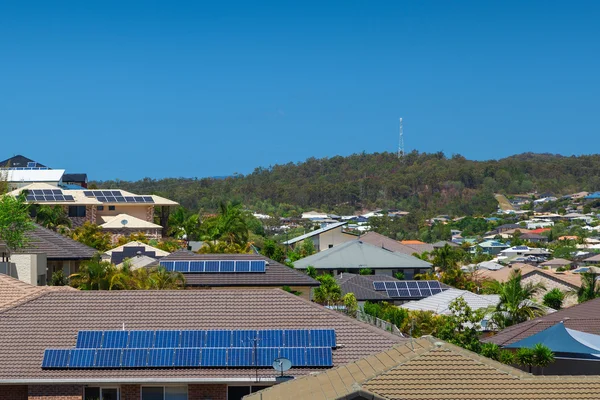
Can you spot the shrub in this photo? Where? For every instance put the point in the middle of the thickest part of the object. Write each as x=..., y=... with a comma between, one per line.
x=554, y=299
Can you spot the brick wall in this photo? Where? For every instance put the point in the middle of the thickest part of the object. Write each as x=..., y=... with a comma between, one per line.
x=131, y=392
x=55, y=392
x=207, y=392
x=13, y=392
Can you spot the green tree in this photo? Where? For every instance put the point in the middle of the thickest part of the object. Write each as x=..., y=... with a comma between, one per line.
x=554, y=299
x=58, y=279
x=365, y=271
x=311, y=271
x=53, y=217
x=350, y=304
x=462, y=326
x=92, y=235
x=14, y=222
x=329, y=292
x=539, y=356
x=446, y=257
x=93, y=274
x=229, y=225
x=589, y=289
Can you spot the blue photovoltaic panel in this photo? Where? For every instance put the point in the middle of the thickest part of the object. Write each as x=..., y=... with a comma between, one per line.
x=196, y=266
x=192, y=338
x=169, y=265
x=89, y=339
x=182, y=266
x=167, y=339
x=426, y=292
x=319, y=357
x=393, y=293
x=414, y=293
x=242, y=266
x=379, y=285
x=214, y=357
x=423, y=284
x=243, y=338
x=220, y=338
x=141, y=339
x=270, y=338
x=265, y=356
x=211, y=266
x=108, y=358
x=434, y=285
x=435, y=291
x=296, y=338
x=82, y=358
x=295, y=354
x=134, y=358
x=115, y=339
x=390, y=285
x=240, y=357
x=258, y=266
x=227, y=266
x=160, y=357
x=322, y=337
x=404, y=293
x=401, y=285
x=56, y=358
x=187, y=357
x=411, y=284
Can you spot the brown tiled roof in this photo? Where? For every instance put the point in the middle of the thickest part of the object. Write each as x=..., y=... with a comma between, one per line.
x=582, y=317
x=502, y=275
x=431, y=369
x=276, y=274
x=14, y=291
x=53, y=319
x=56, y=246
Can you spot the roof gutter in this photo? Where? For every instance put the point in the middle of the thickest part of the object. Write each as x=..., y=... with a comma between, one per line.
x=132, y=380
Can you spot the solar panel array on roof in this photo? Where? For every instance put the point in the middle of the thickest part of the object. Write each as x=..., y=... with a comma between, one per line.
x=409, y=289
x=215, y=266
x=194, y=348
x=48, y=195
x=116, y=196
x=520, y=248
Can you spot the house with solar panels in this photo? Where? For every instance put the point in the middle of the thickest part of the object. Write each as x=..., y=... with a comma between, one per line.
x=180, y=344
x=20, y=171
x=237, y=271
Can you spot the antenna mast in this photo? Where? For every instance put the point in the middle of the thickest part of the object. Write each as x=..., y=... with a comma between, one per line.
x=401, y=142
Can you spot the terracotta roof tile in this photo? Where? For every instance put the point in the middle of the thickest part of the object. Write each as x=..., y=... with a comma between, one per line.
x=14, y=292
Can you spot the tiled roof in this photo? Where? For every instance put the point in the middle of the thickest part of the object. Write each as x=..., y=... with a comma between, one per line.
x=126, y=221
x=430, y=369
x=439, y=303
x=276, y=274
x=583, y=317
x=362, y=286
x=14, y=292
x=55, y=246
x=315, y=232
x=53, y=319
x=502, y=275
x=379, y=240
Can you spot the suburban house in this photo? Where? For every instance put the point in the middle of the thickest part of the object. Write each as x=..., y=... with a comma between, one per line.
x=440, y=303
x=117, y=211
x=356, y=255
x=325, y=238
x=378, y=288
x=491, y=247
x=75, y=180
x=583, y=318
x=425, y=369
x=595, y=259
x=45, y=253
x=518, y=251
x=557, y=263
x=21, y=171
x=418, y=246
x=237, y=271
x=379, y=240
x=534, y=238
x=180, y=344
x=139, y=255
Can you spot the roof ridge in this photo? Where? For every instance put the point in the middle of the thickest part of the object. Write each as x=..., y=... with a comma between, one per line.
x=24, y=300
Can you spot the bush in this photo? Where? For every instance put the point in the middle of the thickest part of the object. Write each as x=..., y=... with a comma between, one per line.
x=507, y=357
x=490, y=350
x=554, y=299
x=366, y=271
x=399, y=275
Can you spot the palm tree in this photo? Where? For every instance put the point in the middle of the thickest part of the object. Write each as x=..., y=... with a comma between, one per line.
x=53, y=217
x=515, y=303
x=229, y=226
x=162, y=279
x=94, y=274
x=590, y=288
x=329, y=292
x=445, y=257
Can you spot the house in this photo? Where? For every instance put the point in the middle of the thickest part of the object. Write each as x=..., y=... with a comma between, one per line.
x=131, y=250
x=377, y=288
x=556, y=263
x=14, y=291
x=584, y=317
x=45, y=253
x=506, y=227
x=21, y=171
x=491, y=247
x=538, y=223
x=418, y=246
x=517, y=251
x=314, y=215
x=592, y=260
x=236, y=271
x=384, y=242
x=76, y=180
x=325, y=238
x=356, y=255
x=592, y=196
x=117, y=211
x=443, y=243
x=20, y=161
x=534, y=238
x=179, y=344
x=428, y=368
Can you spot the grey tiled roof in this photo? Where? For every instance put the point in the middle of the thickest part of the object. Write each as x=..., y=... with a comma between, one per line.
x=362, y=286
x=53, y=319
x=56, y=246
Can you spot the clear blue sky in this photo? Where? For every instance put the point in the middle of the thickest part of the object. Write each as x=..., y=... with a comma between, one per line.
x=123, y=89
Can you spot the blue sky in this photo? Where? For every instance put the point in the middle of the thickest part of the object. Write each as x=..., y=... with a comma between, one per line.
x=126, y=90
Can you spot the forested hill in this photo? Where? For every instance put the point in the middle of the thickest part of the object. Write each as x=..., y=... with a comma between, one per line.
x=431, y=183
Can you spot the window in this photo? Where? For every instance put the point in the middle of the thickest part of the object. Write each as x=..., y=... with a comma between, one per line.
x=164, y=393
x=238, y=392
x=111, y=208
x=97, y=393
x=100, y=208
x=76, y=211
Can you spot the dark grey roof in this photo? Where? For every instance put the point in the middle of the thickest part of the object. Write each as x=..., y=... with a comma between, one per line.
x=18, y=161
x=74, y=178
x=443, y=243
x=56, y=246
x=362, y=286
x=276, y=274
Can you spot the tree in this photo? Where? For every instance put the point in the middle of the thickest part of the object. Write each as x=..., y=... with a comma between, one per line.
x=311, y=271
x=229, y=225
x=365, y=271
x=14, y=222
x=162, y=279
x=399, y=275
x=589, y=289
x=53, y=217
x=515, y=303
x=58, y=279
x=554, y=299
x=307, y=248
x=350, y=304
x=329, y=293
x=462, y=326
x=539, y=356
x=93, y=274
x=92, y=235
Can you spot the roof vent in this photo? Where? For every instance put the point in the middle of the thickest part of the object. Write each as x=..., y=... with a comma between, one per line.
x=438, y=344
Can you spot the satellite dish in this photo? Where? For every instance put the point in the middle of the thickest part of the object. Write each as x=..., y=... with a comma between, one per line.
x=124, y=222
x=282, y=364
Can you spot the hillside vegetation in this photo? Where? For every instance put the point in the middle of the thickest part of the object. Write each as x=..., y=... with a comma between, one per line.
x=429, y=183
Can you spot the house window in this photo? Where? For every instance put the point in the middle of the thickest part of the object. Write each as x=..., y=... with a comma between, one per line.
x=238, y=392
x=98, y=393
x=76, y=211
x=111, y=208
x=100, y=208
x=164, y=393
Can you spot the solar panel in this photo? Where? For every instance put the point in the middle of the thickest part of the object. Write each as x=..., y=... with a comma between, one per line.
x=390, y=285
x=192, y=338
x=196, y=266
x=141, y=339
x=167, y=339
x=411, y=284
x=414, y=293
x=244, y=338
x=227, y=266
x=30, y=197
x=148, y=199
x=214, y=357
x=82, y=358
x=258, y=266
x=56, y=358
x=160, y=357
x=270, y=338
x=218, y=338
x=425, y=292
x=211, y=266
x=319, y=357
x=296, y=338
x=89, y=339
x=296, y=355
x=129, y=199
x=108, y=358
x=435, y=291
x=403, y=293
x=322, y=337
x=379, y=286
x=88, y=193
x=401, y=285
x=134, y=358
x=434, y=285
x=266, y=355
x=169, y=265
x=240, y=357
x=182, y=266
x=187, y=357
x=393, y=293
x=115, y=339
x=423, y=284
x=242, y=266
